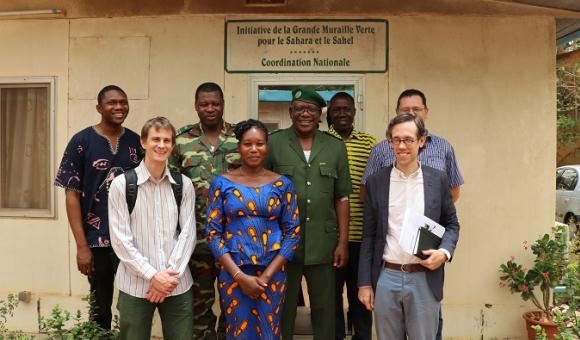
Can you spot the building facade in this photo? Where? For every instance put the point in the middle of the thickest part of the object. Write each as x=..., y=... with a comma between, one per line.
x=487, y=69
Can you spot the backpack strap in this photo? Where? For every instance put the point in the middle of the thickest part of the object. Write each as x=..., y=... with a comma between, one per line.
x=178, y=194
x=131, y=189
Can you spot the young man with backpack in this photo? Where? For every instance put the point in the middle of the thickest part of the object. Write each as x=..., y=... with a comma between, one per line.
x=152, y=223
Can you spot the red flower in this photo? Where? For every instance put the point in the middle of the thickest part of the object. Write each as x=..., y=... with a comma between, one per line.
x=524, y=288
x=546, y=276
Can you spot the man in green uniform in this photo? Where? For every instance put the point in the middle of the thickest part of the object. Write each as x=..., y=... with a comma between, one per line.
x=202, y=151
x=317, y=164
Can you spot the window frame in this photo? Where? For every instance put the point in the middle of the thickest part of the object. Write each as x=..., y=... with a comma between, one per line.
x=49, y=212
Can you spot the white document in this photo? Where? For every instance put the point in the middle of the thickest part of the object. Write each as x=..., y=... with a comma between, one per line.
x=410, y=232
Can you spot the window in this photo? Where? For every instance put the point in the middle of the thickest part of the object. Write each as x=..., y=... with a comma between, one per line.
x=271, y=95
x=26, y=147
x=559, y=178
x=569, y=180
x=274, y=100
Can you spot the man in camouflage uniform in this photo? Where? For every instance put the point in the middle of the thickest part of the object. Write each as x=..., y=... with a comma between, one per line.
x=202, y=151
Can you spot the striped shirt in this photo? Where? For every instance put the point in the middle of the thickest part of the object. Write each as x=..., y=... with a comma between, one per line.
x=358, y=149
x=437, y=153
x=147, y=242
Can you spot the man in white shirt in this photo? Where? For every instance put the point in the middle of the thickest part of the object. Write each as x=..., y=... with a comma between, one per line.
x=154, y=242
x=404, y=291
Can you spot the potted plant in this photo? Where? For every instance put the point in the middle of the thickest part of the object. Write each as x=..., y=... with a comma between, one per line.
x=547, y=271
x=567, y=311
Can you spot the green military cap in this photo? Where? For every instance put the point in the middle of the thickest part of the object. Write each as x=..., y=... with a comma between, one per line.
x=309, y=95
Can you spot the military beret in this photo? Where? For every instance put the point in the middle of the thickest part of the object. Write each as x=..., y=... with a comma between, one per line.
x=309, y=95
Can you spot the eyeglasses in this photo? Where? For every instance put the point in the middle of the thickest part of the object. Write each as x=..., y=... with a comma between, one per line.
x=310, y=110
x=413, y=110
x=406, y=141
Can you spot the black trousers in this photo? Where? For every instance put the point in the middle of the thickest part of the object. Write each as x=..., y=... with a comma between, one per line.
x=360, y=318
x=102, y=287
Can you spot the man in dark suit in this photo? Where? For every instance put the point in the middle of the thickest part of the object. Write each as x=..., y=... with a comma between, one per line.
x=404, y=291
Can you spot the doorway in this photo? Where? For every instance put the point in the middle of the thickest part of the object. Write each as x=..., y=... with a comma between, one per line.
x=270, y=96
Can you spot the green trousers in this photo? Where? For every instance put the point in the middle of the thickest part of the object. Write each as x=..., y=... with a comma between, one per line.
x=320, y=281
x=136, y=316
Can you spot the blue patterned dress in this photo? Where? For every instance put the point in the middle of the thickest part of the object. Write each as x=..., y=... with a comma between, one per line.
x=253, y=225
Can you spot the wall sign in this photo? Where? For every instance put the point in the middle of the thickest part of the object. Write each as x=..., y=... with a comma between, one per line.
x=317, y=45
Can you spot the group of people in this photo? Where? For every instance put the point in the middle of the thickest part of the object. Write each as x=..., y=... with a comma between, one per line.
x=168, y=214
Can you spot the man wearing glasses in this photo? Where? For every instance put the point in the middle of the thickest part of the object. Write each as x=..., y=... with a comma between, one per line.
x=404, y=291
x=437, y=152
x=317, y=164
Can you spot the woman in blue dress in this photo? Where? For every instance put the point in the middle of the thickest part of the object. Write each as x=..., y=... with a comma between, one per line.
x=252, y=230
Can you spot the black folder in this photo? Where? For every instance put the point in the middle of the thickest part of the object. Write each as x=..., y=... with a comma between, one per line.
x=426, y=240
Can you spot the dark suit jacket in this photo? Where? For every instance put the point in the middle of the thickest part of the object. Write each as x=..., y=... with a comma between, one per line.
x=438, y=207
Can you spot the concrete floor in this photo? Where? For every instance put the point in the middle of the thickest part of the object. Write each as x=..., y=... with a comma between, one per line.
x=303, y=325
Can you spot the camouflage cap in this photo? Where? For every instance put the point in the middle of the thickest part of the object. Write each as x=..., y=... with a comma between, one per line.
x=308, y=95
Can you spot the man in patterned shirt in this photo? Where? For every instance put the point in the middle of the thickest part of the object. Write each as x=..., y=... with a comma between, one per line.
x=437, y=152
x=202, y=151
x=92, y=159
x=340, y=116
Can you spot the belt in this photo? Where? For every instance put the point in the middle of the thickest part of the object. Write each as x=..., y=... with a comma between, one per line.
x=405, y=268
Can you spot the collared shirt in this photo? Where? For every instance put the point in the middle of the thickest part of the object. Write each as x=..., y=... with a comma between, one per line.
x=405, y=193
x=147, y=241
x=195, y=157
x=358, y=149
x=437, y=153
x=319, y=182
x=88, y=166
